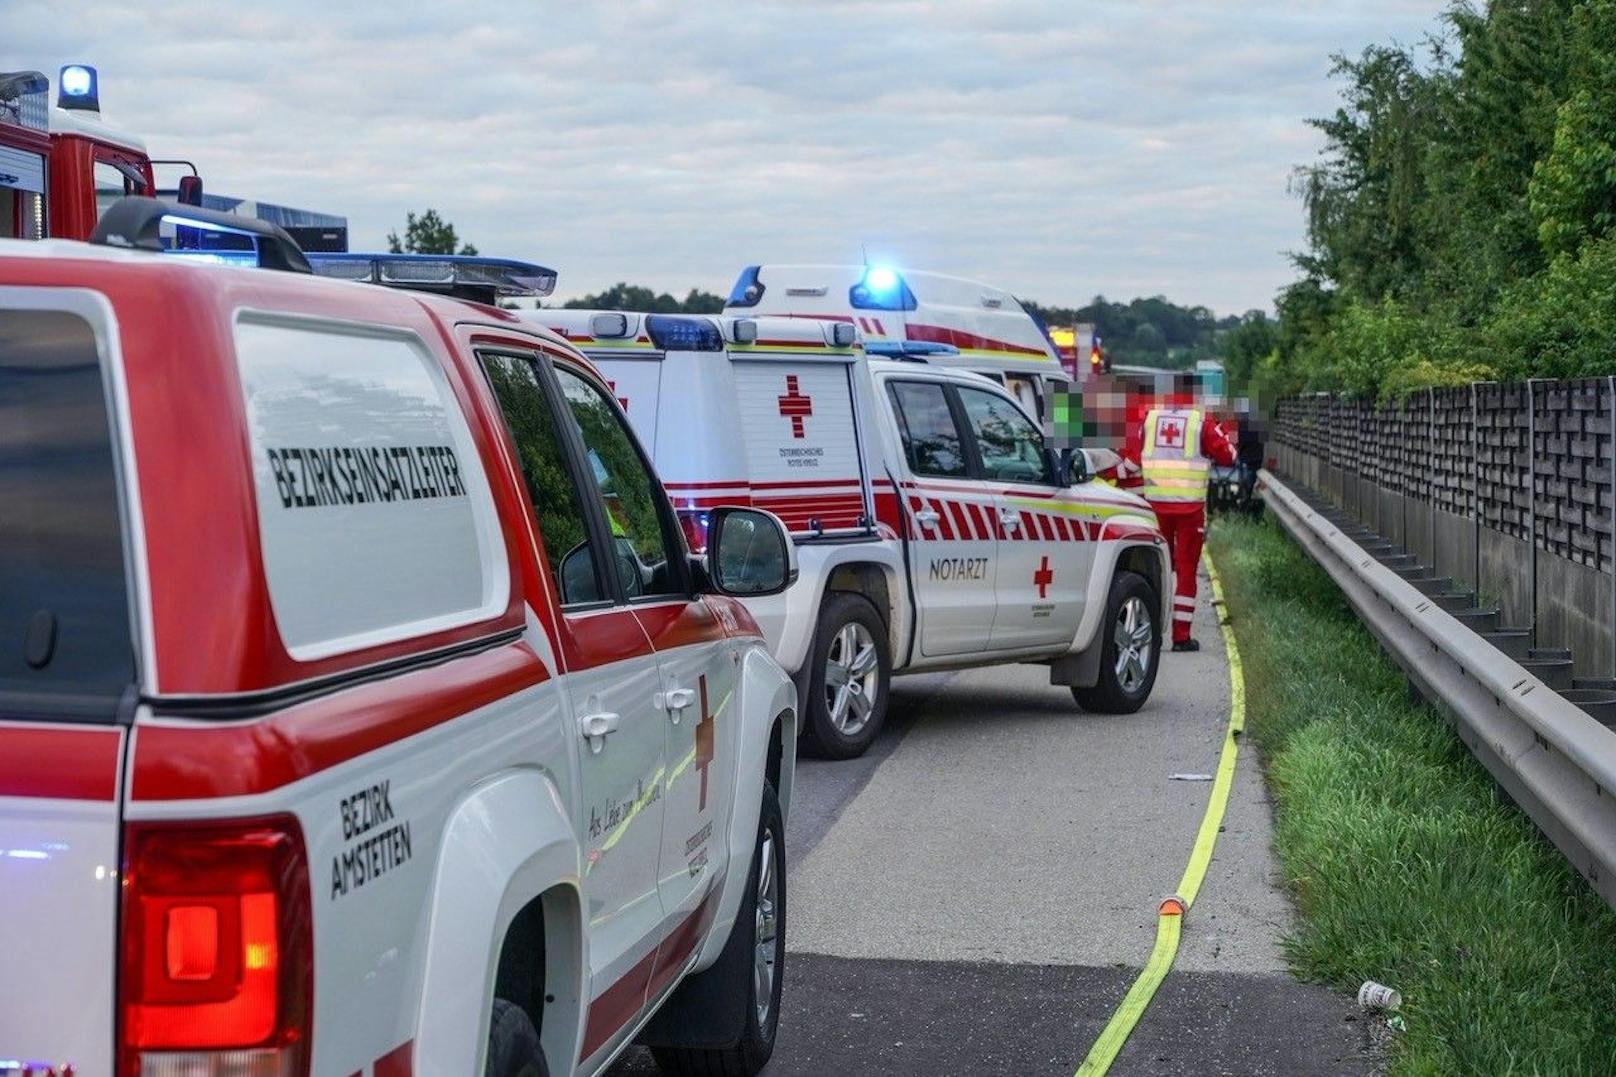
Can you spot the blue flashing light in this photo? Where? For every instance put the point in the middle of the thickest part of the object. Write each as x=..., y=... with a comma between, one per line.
x=880, y=280
x=881, y=288
x=906, y=349
x=248, y=259
x=79, y=87
x=673, y=333
x=748, y=289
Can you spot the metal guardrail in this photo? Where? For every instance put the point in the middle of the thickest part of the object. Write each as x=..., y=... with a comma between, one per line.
x=1557, y=762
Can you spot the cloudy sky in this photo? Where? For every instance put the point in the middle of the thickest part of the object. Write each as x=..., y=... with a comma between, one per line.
x=1059, y=149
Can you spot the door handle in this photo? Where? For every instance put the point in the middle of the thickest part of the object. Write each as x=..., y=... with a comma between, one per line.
x=675, y=700
x=927, y=518
x=595, y=727
x=1010, y=521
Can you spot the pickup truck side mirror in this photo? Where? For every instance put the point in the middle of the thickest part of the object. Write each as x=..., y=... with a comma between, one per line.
x=749, y=553
x=1073, y=469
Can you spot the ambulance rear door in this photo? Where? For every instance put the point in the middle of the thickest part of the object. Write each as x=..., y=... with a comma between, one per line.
x=799, y=425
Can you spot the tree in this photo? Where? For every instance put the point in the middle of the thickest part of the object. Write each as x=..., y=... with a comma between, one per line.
x=1149, y=339
x=1573, y=188
x=427, y=234
x=1246, y=345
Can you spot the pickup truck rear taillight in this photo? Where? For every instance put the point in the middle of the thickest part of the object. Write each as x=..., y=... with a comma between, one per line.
x=216, y=977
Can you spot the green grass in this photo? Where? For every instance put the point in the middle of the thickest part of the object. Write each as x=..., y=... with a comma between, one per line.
x=1405, y=866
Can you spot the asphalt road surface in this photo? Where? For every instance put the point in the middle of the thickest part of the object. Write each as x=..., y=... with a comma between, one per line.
x=976, y=895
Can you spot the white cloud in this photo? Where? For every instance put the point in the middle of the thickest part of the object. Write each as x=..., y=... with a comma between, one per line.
x=1057, y=149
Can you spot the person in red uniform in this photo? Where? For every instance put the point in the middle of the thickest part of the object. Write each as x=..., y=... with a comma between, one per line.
x=1167, y=456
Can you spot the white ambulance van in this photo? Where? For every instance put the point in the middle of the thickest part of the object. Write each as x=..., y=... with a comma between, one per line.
x=361, y=711
x=933, y=524
x=979, y=327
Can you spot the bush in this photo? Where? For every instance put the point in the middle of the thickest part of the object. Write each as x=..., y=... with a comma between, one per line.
x=1561, y=323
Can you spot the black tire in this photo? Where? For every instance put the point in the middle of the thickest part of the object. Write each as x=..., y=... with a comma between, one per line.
x=821, y=736
x=1111, y=694
x=513, y=1044
x=733, y=976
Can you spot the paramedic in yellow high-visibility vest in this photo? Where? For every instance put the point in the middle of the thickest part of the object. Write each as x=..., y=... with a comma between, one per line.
x=1167, y=458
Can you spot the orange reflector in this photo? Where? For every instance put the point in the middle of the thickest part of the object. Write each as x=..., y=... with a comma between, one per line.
x=192, y=938
x=1171, y=906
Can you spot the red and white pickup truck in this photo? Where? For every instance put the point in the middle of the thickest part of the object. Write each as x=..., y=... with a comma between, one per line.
x=935, y=527
x=361, y=710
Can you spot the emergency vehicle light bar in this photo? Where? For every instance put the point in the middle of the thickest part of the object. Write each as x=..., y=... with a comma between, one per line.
x=24, y=99
x=135, y=223
x=916, y=350
x=465, y=275
x=673, y=333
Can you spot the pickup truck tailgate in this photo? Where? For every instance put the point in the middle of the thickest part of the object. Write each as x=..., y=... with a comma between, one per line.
x=58, y=895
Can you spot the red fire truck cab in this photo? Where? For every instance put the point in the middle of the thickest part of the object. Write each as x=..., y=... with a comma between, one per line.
x=60, y=167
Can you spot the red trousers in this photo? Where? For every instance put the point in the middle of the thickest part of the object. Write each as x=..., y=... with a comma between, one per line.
x=1185, y=530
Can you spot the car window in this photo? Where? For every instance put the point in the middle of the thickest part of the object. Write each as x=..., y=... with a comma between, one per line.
x=931, y=440
x=66, y=648
x=550, y=484
x=111, y=184
x=1011, y=447
x=645, y=551
x=1025, y=390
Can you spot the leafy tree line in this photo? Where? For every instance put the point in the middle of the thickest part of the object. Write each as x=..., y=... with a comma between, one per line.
x=1149, y=332
x=1461, y=221
x=624, y=296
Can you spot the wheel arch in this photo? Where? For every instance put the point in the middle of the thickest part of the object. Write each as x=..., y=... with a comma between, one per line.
x=507, y=846
x=872, y=570
x=875, y=582
x=1147, y=562
x=1080, y=667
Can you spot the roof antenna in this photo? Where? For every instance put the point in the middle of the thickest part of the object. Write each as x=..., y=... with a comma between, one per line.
x=864, y=252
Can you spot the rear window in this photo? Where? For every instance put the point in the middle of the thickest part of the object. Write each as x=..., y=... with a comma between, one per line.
x=374, y=514
x=66, y=648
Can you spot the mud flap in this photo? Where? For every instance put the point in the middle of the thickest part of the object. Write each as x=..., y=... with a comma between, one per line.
x=1081, y=670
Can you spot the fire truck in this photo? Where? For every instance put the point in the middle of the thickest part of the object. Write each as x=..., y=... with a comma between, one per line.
x=62, y=166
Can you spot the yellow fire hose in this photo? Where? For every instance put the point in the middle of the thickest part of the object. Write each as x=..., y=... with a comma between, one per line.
x=1170, y=914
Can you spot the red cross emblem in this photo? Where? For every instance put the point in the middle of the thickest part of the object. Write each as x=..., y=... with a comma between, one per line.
x=704, y=742
x=1170, y=432
x=1043, y=577
x=622, y=400
x=795, y=406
